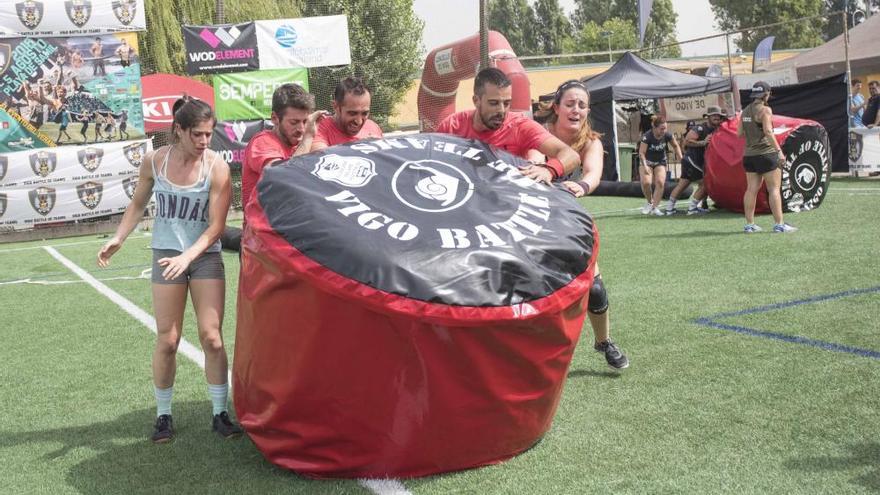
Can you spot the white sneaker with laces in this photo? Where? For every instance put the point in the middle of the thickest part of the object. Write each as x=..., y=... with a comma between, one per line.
x=647, y=208
x=657, y=212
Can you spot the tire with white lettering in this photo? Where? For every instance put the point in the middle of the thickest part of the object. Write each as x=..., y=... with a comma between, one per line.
x=807, y=170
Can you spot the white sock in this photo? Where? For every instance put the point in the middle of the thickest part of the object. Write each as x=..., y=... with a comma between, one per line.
x=163, y=400
x=219, y=395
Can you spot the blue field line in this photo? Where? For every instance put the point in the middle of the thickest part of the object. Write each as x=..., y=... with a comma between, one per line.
x=709, y=321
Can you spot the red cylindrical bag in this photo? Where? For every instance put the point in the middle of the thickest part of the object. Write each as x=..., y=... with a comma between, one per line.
x=406, y=307
x=805, y=174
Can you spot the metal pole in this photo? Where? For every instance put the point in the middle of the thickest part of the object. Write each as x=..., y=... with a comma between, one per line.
x=610, y=60
x=737, y=105
x=219, y=13
x=846, y=55
x=484, y=36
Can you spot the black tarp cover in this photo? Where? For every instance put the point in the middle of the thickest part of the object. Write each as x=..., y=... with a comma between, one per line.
x=631, y=78
x=824, y=101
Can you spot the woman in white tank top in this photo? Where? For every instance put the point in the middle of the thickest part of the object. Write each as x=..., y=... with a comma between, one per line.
x=193, y=194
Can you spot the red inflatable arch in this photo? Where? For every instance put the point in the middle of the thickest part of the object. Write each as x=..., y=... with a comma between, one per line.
x=805, y=174
x=447, y=65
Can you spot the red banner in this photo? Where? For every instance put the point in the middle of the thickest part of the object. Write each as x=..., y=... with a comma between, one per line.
x=160, y=92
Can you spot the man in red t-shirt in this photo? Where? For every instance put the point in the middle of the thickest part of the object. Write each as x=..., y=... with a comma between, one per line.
x=351, y=116
x=491, y=123
x=294, y=121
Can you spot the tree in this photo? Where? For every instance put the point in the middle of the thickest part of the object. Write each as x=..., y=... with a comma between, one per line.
x=615, y=33
x=660, y=29
x=553, y=26
x=515, y=19
x=161, y=46
x=834, y=26
x=733, y=15
x=386, y=44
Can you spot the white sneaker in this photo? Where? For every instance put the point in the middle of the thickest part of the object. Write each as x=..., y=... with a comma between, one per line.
x=657, y=212
x=784, y=228
x=647, y=208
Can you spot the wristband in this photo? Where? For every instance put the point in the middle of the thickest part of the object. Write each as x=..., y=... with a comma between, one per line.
x=556, y=167
x=584, y=186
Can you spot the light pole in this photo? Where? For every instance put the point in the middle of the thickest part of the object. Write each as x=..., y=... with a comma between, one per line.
x=607, y=34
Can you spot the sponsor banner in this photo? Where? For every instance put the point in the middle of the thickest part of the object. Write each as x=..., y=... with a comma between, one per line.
x=231, y=138
x=693, y=107
x=775, y=78
x=160, y=91
x=249, y=95
x=68, y=183
x=221, y=48
x=46, y=18
x=305, y=42
x=59, y=91
x=864, y=150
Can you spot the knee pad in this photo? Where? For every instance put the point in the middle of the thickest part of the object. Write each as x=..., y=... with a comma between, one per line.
x=598, y=302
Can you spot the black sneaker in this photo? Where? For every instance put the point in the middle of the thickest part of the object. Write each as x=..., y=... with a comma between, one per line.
x=163, y=431
x=613, y=355
x=224, y=426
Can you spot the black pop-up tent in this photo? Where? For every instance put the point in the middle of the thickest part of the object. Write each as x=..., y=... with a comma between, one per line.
x=631, y=78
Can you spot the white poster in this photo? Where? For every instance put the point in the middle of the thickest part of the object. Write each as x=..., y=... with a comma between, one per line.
x=693, y=107
x=68, y=183
x=46, y=18
x=304, y=42
x=864, y=150
x=775, y=78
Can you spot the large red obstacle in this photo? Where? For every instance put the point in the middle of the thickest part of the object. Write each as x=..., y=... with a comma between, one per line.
x=805, y=175
x=406, y=307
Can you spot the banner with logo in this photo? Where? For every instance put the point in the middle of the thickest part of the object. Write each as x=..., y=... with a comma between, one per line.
x=864, y=150
x=248, y=95
x=305, y=42
x=70, y=17
x=693, y=107
x=221, y=48
x=68, y=183
x=231, y=138
x=160, y=91
x=60, y=91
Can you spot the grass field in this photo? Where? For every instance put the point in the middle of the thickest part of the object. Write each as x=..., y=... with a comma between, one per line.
x=755, y=369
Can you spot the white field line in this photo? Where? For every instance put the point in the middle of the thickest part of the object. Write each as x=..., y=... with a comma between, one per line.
x=145, y=275
x=377, y=486
x=384, y=487
x=187, y=349
x=31, y=248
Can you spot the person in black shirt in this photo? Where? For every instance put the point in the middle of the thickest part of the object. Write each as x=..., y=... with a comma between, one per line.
x=871, y=117
x=652, y=163
x=696, y=140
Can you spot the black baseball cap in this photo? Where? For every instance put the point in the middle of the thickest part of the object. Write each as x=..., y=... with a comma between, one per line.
x=759, y=89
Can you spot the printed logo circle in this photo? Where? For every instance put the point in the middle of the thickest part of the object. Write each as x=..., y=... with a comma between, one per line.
x=431, y=186
x=286, y=36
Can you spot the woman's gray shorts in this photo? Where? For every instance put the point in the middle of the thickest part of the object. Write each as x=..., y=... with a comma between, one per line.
x=207, y=266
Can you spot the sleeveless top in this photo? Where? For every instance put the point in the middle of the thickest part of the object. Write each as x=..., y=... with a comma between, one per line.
x=757, y=143
x=181, y=211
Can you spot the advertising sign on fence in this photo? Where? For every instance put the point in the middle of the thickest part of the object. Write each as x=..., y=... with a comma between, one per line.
x=77, y=90
x=306, y=42
x=162, y=90
x=68, y=183
x=248, y=95
x=45, y=18
x=221, y=48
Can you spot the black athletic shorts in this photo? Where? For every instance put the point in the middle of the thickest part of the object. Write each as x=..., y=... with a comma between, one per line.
x=691, y=170
x=761, y=164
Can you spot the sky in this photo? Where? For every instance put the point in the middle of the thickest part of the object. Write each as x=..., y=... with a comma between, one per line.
x=450, y=20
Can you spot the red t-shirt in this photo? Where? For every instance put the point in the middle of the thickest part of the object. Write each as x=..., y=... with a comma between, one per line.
x=330, y=135
x=264, y=148
x=517, y=134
